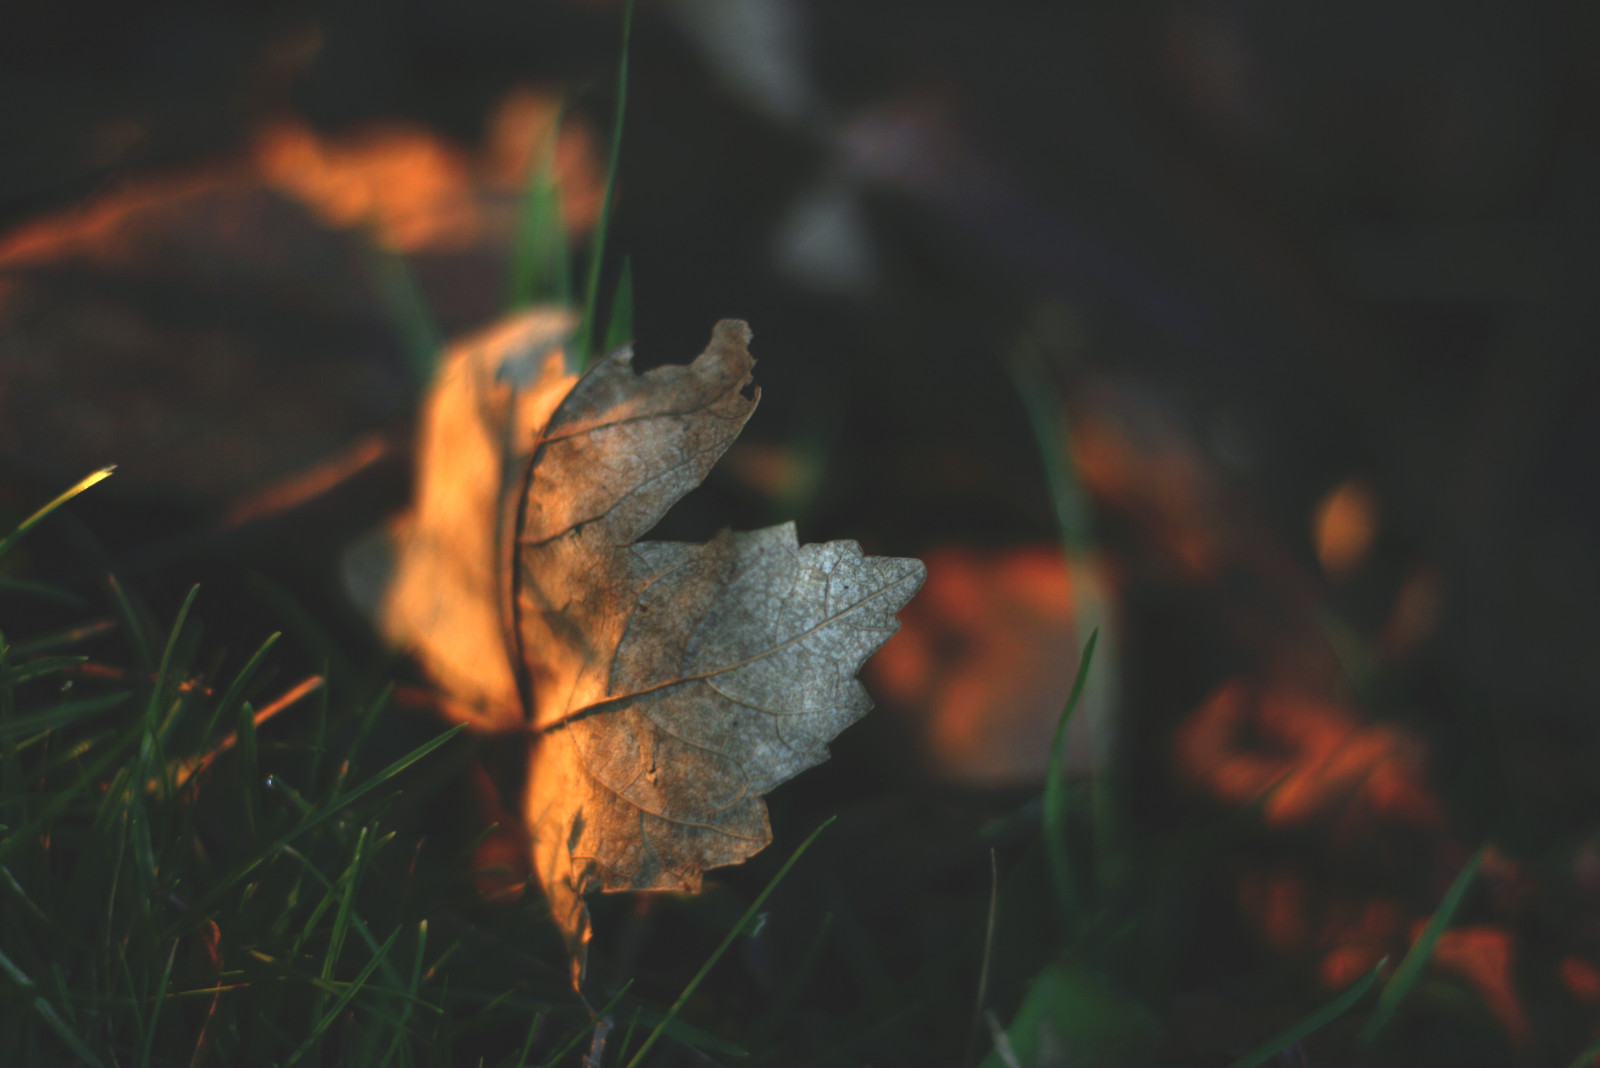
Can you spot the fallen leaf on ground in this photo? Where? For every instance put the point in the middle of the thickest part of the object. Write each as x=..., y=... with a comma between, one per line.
x=669, y=685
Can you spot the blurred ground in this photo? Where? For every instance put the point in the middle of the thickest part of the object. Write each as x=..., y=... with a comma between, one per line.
x=1316, y=288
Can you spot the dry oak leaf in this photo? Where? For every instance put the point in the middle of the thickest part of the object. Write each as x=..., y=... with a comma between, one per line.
x=668, y=685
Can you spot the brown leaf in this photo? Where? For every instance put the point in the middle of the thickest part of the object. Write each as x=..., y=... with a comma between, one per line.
x=669, y=684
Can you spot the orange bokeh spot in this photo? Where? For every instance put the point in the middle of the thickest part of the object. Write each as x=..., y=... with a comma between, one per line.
x=1160, y=480
x=1581, y=979
x=1344, y=526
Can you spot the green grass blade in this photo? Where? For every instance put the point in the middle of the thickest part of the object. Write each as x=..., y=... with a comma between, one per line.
x=304, y=628
x=541, y=262
x=37, y=668
x=413, y=987
x=320, y=701
x=1587, y=1058
x=349, y=880
x=65, y=1033
x=140, y=836
x=42, y=591
x=619, y=323
x=1042, y=402
x=38, y=517
x=369, y=720
x=1054, y=813
x=583, y=341
x=1090, y=606
x=155, y=1014
x=132, y=627
x=800, y=980
x=389, y=973
x=402, y=296
x=527, y=1040
x=1411, y=965
x=705, y=969
x=1313, y=1023
x=248, y=762
x=236, y=688
x=158, y=693
x=627, y=1038
x=133, y=999
x=64, y=798
x=62, y=715
x=14, y=973
x=11, y=884
x=75, y=635
x=13, y=798
x=350, y=991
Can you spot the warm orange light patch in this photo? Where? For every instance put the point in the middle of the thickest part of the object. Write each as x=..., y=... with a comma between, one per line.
x=409, y=187
x=1343, y=965
x=1361, y=933
x=304, y=486
x=418, y=193
x=1414, y=615
x=519, y=135
x=1277, y=903
x=784, y=473
x=985, y=657
x=1316, y=758
x=1292, y=917
x=1483, y=957
x=100, y=226
x=1161, y=481
x=1581, y=979
x=414, y=191
x=1344, y=526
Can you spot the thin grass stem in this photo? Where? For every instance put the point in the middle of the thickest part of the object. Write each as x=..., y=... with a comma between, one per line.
x=705, y=969
x=583, y=341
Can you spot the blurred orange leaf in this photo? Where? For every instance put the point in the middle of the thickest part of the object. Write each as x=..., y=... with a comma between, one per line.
x=1309, y=757
x=987, y=655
